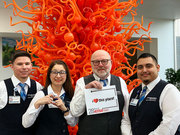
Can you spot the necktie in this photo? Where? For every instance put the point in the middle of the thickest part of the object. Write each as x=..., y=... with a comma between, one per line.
x=23, y=92
x=104, y=82
x=142, y=96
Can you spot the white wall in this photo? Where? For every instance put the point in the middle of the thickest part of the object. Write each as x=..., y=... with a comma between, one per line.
x=161, y=29
x=165, y=36
x=5, y=22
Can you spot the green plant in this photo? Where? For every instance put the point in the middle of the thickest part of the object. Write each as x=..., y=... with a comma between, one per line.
x=173, y=77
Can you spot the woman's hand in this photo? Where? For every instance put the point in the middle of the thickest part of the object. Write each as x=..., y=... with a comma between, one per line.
x=60, y=104
x=44, y=100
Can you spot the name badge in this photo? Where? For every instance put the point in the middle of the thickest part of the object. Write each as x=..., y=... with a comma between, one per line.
x=14, y=100
x=30, y=95
x=151, y=99
x=134, y=102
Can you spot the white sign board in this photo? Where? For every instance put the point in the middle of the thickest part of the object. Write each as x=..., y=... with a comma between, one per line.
x=101, y=101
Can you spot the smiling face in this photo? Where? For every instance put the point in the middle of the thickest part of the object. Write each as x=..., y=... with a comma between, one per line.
x=22, y=67
x=58, y=75
x=147, y=70
x=101, y=64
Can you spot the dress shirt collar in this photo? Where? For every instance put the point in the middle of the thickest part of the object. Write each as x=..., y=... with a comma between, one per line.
x=98, y=79
x=16, y=81
x=152, y=84
x=50, y=91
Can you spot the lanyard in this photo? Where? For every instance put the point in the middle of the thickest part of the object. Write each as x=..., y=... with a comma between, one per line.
x=15, y=91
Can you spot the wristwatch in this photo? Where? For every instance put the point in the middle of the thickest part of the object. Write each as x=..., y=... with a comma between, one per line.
x=66, y=111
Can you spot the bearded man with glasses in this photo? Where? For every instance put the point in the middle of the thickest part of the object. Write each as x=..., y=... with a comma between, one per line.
x=105, y=123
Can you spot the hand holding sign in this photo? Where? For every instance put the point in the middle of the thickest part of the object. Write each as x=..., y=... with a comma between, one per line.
x=94, y=84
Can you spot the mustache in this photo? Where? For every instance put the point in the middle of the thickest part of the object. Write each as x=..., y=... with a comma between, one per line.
x=101, y=68
x=145, y=73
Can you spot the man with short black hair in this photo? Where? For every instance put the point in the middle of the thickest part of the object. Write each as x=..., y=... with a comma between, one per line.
x=154, y=106
x=16, y=94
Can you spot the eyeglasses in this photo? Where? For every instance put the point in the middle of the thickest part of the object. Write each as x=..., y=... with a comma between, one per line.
x=61, y=73
x=103, y=62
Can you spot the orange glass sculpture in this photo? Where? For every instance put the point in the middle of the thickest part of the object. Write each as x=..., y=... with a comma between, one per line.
x=72, y=30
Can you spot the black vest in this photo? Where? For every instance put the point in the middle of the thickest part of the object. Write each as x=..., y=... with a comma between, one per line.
x=146, y=117
x=178, y=131
x=11, y=114
x=51, y=121
x=106, y=123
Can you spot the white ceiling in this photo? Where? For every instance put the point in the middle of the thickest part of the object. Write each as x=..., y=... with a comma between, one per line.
x=162, y=9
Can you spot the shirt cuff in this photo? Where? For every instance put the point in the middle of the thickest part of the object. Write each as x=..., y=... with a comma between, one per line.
x=69, y=116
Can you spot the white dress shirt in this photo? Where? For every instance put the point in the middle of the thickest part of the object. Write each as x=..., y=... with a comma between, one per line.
x=169, y=103
x=32, y=113
x=15, y=81
x=77, y=104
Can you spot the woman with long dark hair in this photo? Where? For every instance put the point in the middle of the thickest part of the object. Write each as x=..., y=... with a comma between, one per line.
x=49, y=110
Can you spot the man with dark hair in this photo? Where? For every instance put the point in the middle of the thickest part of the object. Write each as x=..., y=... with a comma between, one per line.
x=105, y=123
x=154, y=106
x=16, y=94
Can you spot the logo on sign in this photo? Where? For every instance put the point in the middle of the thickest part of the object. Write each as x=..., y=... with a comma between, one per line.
x=95, y=100
x=102, y=100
